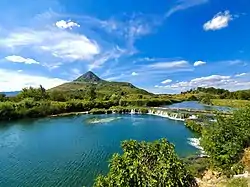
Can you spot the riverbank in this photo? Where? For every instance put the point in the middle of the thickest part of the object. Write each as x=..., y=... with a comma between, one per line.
x=130, y=110
x=69, y=114
x=231, y=103
x=173, y=114
x=32, y=108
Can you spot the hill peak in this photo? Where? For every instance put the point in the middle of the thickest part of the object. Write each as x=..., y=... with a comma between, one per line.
x=88, y=77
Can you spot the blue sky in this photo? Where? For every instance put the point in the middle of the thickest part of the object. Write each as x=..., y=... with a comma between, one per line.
x=164, y=46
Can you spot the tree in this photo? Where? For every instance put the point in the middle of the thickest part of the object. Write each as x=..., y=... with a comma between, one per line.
x=244, y=95
x=192, y=98
x=58, y=96
x=146, y=164
x=206, y=99
x=36, y=93
x=91, y=93
x=2, y=97
x=225, y=140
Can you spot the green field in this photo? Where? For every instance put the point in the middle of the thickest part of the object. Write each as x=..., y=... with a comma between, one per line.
x=231, y=103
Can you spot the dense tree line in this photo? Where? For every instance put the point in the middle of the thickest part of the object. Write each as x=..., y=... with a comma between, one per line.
x=37, y=102
x=146, y=164
x=221, y=93
x=210, y=90
x=29, y=108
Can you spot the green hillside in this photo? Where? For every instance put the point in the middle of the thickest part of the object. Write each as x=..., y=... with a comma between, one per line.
x=102, y=88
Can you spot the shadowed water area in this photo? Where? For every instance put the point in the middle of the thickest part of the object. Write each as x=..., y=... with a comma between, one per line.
x=71, y=151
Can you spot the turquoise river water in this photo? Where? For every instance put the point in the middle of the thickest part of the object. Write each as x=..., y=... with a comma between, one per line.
x=69, y=151
x=198, y=106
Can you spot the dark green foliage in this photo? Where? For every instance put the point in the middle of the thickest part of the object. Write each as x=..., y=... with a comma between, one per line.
x=210, y=90
x=206, y=99
x=194, y=126
x=225, y=140
x=58, y=96
x=197, y=166
x=91, y=93
x=100, y=111
x=146, y=164
x=221, y=93
x=192, y=98
x=2, y=97
x=36, y=102
x=29, y=108
x=35, y=93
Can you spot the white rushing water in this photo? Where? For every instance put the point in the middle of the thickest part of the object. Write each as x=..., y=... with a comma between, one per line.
x=196, y=143
x=102, y=120
x=165, y=114
x=133, y=111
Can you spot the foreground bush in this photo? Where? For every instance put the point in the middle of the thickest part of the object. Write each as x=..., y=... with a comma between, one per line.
x=146, y=164
x=225, y=140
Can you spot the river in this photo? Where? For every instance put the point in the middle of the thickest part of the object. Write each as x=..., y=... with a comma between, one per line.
x=198, y=106
x=69, y=151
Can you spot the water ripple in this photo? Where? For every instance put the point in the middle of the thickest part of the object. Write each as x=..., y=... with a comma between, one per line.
x=65, y=152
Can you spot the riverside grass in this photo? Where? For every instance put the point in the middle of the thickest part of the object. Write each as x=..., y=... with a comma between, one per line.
x=231, y=103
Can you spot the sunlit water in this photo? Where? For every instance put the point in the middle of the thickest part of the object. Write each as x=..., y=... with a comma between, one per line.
x=198, y=106
x=70, y=152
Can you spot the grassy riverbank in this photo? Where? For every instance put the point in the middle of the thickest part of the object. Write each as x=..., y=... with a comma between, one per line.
x=30, y=108
x=231, y=103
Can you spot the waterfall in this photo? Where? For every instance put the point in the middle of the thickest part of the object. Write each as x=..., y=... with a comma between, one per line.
x=132, y=111
x=193, y=117
x=165, y=114
x=195, y=142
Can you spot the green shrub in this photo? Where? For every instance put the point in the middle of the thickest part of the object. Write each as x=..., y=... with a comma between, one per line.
x=225, y=140
x=98, y=111
x=146, y=164
x=194, y=126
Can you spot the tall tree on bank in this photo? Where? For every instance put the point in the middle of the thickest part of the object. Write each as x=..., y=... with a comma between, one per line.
x=146, y=164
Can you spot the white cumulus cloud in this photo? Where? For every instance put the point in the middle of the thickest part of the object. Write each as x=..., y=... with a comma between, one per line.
x=212, y=80
x=240, y=75
x=217, y=81
x=134, y=74
x=62, y=24
x=11, y=80
x=19, y=59
x=199, y=63
x=166, y=81
x=59, y=43
x=219, y=21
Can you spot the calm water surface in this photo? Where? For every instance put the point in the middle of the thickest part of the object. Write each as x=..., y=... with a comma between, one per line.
x=198, y=106
x=69, y=152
